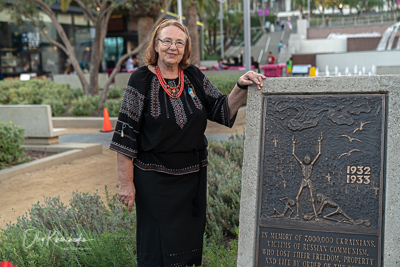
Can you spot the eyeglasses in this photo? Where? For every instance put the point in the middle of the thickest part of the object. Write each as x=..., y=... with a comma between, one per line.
x=169, y=42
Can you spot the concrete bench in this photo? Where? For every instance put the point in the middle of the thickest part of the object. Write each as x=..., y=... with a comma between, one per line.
x=36, y=120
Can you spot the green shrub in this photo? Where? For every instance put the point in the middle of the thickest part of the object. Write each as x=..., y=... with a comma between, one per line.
x=84, y=105
x=224, y=185
x=58, y=107
x=33, y=92
x=99, y=234
x=115, y=92
x=11, y=138
x=58, y=96
x=77, y=92
x=217, y=254
x=224, y=83
x=113, y=107
x=107, y=231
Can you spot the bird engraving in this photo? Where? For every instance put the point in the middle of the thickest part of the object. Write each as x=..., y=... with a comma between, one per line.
x=351, y=139
x=349, y=153
x=361, y=126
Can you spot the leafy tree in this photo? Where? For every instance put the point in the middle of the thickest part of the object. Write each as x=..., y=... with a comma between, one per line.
x=232, y=25
x=190, y=15
x=99, y=13
x=321, y=5
x=301, y=4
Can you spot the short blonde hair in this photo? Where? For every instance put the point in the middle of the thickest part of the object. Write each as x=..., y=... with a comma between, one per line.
x=151, y=56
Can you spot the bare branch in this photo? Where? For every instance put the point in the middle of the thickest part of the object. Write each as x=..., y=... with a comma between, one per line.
x=86, y=10
x=133, y=52
x=46, y=8
x=37, y=23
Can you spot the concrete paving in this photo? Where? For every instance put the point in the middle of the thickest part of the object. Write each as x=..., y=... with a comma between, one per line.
x=89, y=138
x=105, y=138
x=66, y=152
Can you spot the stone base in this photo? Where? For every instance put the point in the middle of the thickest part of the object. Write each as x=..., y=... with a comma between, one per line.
x=42, y=141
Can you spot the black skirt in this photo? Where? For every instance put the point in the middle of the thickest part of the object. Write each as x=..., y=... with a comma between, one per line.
x=171, y=212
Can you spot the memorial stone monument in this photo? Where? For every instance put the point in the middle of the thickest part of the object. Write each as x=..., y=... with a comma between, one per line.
x=321, y=173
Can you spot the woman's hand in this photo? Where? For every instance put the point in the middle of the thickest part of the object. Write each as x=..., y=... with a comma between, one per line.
x=126, y=194
x=126, y=190
x=251, y=77
x=239, y=92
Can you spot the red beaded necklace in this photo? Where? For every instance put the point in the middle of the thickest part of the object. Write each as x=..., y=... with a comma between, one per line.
x=172, y=91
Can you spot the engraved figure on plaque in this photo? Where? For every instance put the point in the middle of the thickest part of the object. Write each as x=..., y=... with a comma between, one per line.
x=288, y=206
x=306, y=169
x=327, y=210
x=328, y=202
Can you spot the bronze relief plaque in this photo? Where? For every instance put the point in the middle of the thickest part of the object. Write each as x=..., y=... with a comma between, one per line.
x=321, y=180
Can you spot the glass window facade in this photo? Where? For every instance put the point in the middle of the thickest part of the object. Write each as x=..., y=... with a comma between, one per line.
x=25, y=50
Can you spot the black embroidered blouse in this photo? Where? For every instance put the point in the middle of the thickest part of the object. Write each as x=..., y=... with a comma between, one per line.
x=165, y=134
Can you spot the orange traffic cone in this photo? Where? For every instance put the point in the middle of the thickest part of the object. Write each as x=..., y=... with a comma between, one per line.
x=106, y=122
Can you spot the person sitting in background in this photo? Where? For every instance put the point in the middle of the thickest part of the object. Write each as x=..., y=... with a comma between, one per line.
x=236, y=61
x=255, y=64
x=135, y=61
x=220, y=64
x=229, y=62
x=111, y=63
x=69, y=70
x=26, y=67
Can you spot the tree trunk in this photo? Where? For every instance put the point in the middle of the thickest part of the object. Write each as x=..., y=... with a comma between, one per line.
x=97, y=51
x=145, y=25
x=191, y=22
x=215, y=37
x=239, y=26
x=66, y=45
x=95, y=61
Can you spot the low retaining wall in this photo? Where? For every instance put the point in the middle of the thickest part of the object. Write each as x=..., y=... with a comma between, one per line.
x=74, y=82
x=88, y=122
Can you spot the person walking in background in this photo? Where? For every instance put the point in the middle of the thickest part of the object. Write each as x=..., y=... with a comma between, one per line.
x=289, y=66
x=162, y=156
x=267, y=25
x=270, y=58
x=280, y=45
x=278, y=25
x=289, y=25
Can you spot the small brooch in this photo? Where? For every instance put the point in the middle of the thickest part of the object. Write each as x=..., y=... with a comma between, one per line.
x=191, y=92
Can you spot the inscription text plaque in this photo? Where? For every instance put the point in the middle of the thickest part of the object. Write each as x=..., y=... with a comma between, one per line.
x=321, y=180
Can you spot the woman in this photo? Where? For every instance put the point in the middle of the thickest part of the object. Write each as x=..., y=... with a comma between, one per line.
x=162, y=155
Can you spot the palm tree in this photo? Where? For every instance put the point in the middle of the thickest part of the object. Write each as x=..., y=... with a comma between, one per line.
x=191, y=22
x=146, y=12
